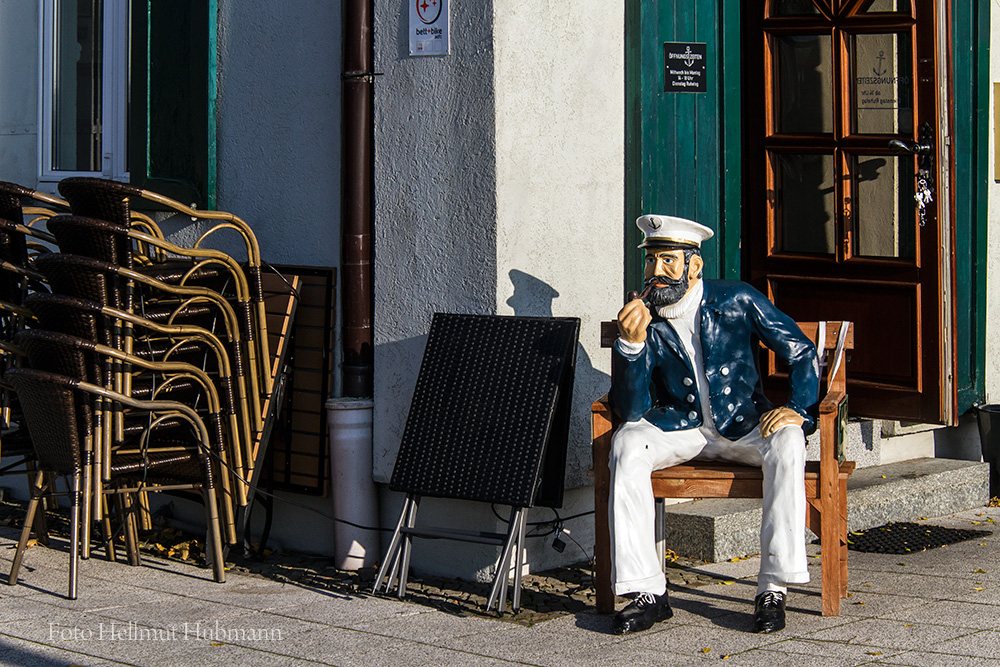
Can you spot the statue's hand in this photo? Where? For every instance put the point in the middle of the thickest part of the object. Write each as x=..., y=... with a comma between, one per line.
x=633, y=319
x=772, y=420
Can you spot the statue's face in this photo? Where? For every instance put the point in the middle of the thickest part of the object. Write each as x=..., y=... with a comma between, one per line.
x=662, y=263
x=674, y=276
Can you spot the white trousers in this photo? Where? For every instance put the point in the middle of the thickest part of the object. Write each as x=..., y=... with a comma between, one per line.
x=638, y=448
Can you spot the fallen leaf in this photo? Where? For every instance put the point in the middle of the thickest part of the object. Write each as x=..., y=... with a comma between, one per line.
x=860, y=602
x=706, y=650
x=977, y=588
x=921, y=518
x=883, y=476
x=727, y=583
x=217, y=644
x=977, y=523
x=980, y=571
x=725, y=657
x=907, y=625
x=874, y=653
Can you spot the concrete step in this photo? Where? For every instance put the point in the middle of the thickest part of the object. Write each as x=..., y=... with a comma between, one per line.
x=718, y=529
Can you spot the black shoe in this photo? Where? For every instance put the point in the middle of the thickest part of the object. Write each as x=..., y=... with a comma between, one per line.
x=641, y=613
x=769, y=612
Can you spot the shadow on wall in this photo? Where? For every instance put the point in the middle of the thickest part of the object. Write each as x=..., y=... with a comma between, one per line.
x=533, y=297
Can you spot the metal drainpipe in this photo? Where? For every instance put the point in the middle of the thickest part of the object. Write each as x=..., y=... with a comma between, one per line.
x=357, y=166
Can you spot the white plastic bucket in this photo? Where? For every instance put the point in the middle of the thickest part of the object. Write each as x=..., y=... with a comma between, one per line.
x=353, y=492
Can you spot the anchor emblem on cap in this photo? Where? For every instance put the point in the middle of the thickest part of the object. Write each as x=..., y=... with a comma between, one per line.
x=654, y=223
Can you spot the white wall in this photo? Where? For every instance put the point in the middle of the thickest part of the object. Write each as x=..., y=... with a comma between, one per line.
x=993, y=230
x=560, y=133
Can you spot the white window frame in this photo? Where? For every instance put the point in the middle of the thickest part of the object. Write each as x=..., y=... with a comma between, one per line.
x=114, y=95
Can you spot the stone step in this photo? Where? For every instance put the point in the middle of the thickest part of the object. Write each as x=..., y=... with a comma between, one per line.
x=718, y=529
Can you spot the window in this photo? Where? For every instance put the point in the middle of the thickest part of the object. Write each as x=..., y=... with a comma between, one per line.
x=85, y=45
x=128, y=92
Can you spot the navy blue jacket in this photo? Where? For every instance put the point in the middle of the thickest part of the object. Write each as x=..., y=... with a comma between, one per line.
x=660, y=384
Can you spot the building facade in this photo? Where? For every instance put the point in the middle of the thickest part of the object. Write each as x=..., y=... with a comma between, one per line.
x=508, y=172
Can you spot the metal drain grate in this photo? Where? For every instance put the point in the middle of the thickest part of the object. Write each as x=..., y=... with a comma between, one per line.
x=903, y=537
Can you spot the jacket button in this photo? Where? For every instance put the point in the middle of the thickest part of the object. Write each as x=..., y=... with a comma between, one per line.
x=688, y=382
x=684, y=422
x=724, y=370
x=731, y=407
x=692, y=415
x=739, y=418
x=690, y=398
x=727, y=391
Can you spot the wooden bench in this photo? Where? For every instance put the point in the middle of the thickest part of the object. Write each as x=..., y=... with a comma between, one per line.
x=826, y=479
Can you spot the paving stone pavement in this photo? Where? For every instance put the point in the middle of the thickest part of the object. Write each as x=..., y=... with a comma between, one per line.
x=936, y=607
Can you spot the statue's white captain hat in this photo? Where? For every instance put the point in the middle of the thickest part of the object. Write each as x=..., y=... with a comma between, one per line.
x=668, y=230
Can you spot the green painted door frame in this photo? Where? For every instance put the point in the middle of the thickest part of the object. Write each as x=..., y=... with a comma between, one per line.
x=683, y=150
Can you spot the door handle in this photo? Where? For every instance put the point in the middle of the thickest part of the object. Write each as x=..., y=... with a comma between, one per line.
x=924, y=194
x=911, y=147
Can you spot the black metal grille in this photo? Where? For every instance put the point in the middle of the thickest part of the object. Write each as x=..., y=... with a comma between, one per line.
x=904, y=537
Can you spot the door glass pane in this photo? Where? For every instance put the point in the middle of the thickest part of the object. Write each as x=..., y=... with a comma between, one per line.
x=884, y=208
x=804, y=204
x=76, y=85
x=804, y=84
x=883, y=83
x=886, y=7
x=795, y=7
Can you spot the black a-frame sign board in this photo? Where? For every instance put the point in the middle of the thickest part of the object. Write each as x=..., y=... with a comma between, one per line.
x=489, y=422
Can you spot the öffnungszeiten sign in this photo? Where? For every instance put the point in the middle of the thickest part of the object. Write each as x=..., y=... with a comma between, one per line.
x=685, y=67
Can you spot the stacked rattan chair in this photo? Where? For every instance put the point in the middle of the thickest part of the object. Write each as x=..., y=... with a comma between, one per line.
x=159, y=353
x=58, y=413
x=22, y=236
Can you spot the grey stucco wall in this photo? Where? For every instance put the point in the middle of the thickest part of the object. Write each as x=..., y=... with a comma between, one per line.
x=19, y=91
x=435, y=198
x=279, y=125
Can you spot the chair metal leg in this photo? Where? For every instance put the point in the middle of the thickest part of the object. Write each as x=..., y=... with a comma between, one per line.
x=74, y=532
x=40, y=524
x=214, y=550
x=107, y=531
x=37, y=488
x=123, y=510
x=86, y=502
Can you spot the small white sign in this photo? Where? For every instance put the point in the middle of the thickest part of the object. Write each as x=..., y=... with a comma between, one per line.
x=429, y=28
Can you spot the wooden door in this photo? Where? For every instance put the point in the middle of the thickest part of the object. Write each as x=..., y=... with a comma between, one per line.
x=841, y=140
